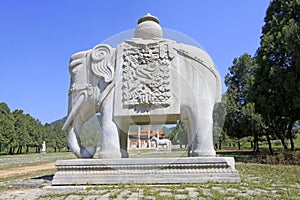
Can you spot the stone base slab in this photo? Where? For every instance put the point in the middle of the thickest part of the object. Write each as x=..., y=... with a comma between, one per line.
x=145, y=171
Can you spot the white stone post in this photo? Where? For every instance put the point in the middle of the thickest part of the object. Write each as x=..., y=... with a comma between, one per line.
x=128, y=140
x=43, y=147
x=149, y=141
x=139, y=136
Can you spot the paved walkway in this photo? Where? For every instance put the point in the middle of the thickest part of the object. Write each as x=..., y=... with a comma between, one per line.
x=40, y=188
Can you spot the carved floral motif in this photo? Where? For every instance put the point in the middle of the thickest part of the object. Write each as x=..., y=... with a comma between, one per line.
x=146, y=74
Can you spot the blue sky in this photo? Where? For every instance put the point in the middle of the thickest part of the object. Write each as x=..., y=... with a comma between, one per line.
x=38, y=38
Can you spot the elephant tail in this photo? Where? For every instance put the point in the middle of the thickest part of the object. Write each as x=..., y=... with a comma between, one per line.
x=219, y=89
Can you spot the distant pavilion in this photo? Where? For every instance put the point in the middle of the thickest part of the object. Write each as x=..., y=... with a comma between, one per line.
x=141, y=139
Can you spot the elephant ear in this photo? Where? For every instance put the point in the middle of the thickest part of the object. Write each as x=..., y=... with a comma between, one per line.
x=101, y=58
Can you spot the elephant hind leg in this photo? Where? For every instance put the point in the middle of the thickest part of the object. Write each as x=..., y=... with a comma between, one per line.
x=203, y=140
x=199, y=129
x=186, y=122
x=123, y=142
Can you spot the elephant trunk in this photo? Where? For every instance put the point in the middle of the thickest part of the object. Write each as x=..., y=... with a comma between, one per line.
x=73, y=138
x=76, y=147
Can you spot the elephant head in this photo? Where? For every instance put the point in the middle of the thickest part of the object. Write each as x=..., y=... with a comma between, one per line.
x=91, y=77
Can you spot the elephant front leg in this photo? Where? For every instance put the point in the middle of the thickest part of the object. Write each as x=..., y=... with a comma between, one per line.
x=109, y=137
x=109, y=140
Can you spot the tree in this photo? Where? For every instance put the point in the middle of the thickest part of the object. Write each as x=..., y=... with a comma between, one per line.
x=7, y=132
x=60, y=137
x=21, y=124
x=179, y=134
x=49, y=137
x=277, y=79
x=255, y=126
x=35, y=130
x=240, y=114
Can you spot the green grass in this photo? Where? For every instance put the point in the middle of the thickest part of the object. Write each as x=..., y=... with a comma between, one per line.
x=258, y=182
x=7, y=161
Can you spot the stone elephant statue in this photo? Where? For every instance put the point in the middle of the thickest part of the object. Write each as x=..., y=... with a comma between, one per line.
x=144, y=80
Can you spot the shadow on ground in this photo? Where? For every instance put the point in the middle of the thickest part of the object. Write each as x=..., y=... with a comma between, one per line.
x=46, y=178
x=263, y=157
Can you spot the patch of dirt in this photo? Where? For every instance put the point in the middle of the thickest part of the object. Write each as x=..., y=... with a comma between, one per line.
x=4, y=173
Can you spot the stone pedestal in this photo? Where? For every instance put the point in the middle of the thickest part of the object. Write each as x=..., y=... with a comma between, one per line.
x=145, y=171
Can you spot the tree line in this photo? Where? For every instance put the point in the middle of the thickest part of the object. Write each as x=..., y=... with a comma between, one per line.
x=19, y=132
x=263, y=91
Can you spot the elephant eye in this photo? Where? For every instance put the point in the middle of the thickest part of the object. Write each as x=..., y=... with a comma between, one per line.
x=74, y=70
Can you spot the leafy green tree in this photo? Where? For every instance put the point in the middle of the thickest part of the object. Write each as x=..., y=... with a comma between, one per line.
x=4, y=109
x=179, y=134
x=240, y=119
x=7, y=131
x=29, y=131
x=49, y=137
x=60, y=137
x=255, y=126
x=167, y=132
x=21, y=124
x=277, y=80
x=35, y=130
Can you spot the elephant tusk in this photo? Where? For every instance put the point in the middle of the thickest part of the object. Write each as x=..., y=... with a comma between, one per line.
x=72, y=136
x=105, y=93
x=74, y=111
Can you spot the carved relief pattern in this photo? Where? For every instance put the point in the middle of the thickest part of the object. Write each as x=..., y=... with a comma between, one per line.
x=146, y=74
